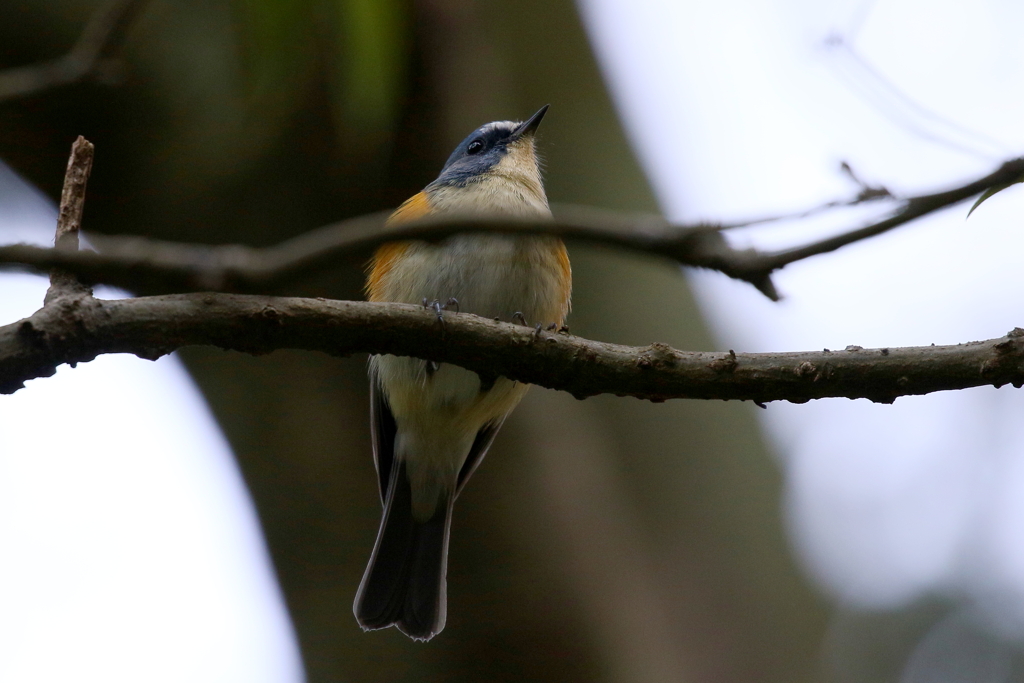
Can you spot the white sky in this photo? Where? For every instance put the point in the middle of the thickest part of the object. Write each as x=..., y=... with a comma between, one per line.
x=131, y=551
x=738, y=108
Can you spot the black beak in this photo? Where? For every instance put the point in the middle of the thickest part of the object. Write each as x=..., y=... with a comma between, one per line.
x=529, y=126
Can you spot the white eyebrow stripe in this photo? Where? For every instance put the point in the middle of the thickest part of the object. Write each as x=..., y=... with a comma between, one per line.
x=495, y=125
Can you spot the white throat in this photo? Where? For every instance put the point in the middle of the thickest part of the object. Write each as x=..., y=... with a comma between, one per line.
x=512, y=187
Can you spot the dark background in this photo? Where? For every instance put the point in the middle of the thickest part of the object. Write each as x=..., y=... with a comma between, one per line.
x=608, y=539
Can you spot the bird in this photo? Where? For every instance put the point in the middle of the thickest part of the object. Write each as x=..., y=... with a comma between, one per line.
x=433, y=423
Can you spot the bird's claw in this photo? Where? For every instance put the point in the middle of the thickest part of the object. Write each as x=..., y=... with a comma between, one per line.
x=430, y=366
x=518, y=317
x=438, y=308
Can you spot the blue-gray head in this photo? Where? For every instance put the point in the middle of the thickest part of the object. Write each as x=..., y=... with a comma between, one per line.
x=501, y=148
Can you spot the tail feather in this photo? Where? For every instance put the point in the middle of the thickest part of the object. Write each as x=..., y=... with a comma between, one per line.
x=404, y=583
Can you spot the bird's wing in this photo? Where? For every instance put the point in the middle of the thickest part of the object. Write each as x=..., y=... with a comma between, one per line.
x=416, y=206
x=382, y=434
x=482, y=442
x=391, y=253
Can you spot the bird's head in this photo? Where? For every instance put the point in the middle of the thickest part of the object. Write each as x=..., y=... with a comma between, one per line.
x=501, y=149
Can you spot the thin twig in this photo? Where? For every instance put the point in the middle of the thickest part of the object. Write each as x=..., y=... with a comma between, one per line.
x=879, y=92
x=914, y=207
x=153, y=267
x=69, y=218
x=868, y=193
x=102, y=33
x=77, y=330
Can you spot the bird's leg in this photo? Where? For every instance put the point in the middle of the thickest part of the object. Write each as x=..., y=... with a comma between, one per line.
x=521, y=319
x=438, y=308
x=430, y=366
x=487, y=382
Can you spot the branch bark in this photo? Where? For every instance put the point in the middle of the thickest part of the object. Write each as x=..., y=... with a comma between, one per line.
x=74, y=330
x=154, y=267
x=69, y=219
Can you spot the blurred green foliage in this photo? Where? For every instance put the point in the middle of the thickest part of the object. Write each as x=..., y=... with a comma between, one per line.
x=362, y=45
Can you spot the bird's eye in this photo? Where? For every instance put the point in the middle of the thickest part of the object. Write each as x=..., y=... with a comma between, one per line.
x=475, y=147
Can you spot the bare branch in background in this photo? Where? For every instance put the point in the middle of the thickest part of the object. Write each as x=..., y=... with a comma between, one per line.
x=74, y=330
x=913, y=208
x=868, y=193
x=101, y=35
x=871, y=86
x=155, y=267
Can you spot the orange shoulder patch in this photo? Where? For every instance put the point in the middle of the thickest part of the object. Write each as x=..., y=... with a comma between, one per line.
x=565, y=270
x=416, y=206
x=380, y=266
x=388, y=254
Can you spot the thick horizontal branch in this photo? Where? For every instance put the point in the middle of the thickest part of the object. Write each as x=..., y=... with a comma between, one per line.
x=153, y=267
x=74, y=330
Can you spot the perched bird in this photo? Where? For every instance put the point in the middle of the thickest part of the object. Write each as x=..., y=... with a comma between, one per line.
x=432, y=424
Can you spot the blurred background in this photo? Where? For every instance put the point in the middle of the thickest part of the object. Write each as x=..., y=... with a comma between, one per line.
x=607, y=539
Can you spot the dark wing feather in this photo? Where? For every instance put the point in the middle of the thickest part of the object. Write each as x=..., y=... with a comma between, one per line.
x=482, y=442
x=382, y=434
x=405, y=581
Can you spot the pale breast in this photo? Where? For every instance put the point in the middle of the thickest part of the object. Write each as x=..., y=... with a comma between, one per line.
x=489, y=275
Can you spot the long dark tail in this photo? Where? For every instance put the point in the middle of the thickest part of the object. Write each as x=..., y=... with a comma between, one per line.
x=404, y=583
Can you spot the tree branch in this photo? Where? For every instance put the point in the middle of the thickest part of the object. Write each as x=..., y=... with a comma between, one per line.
x=155, y=267
x=101, y=34
x=74, y=330
x=69, y=219
x=913, y=208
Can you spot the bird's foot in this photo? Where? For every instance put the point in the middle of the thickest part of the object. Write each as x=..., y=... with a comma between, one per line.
x=439, y=308
x=539, y=327
x=433, y=366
